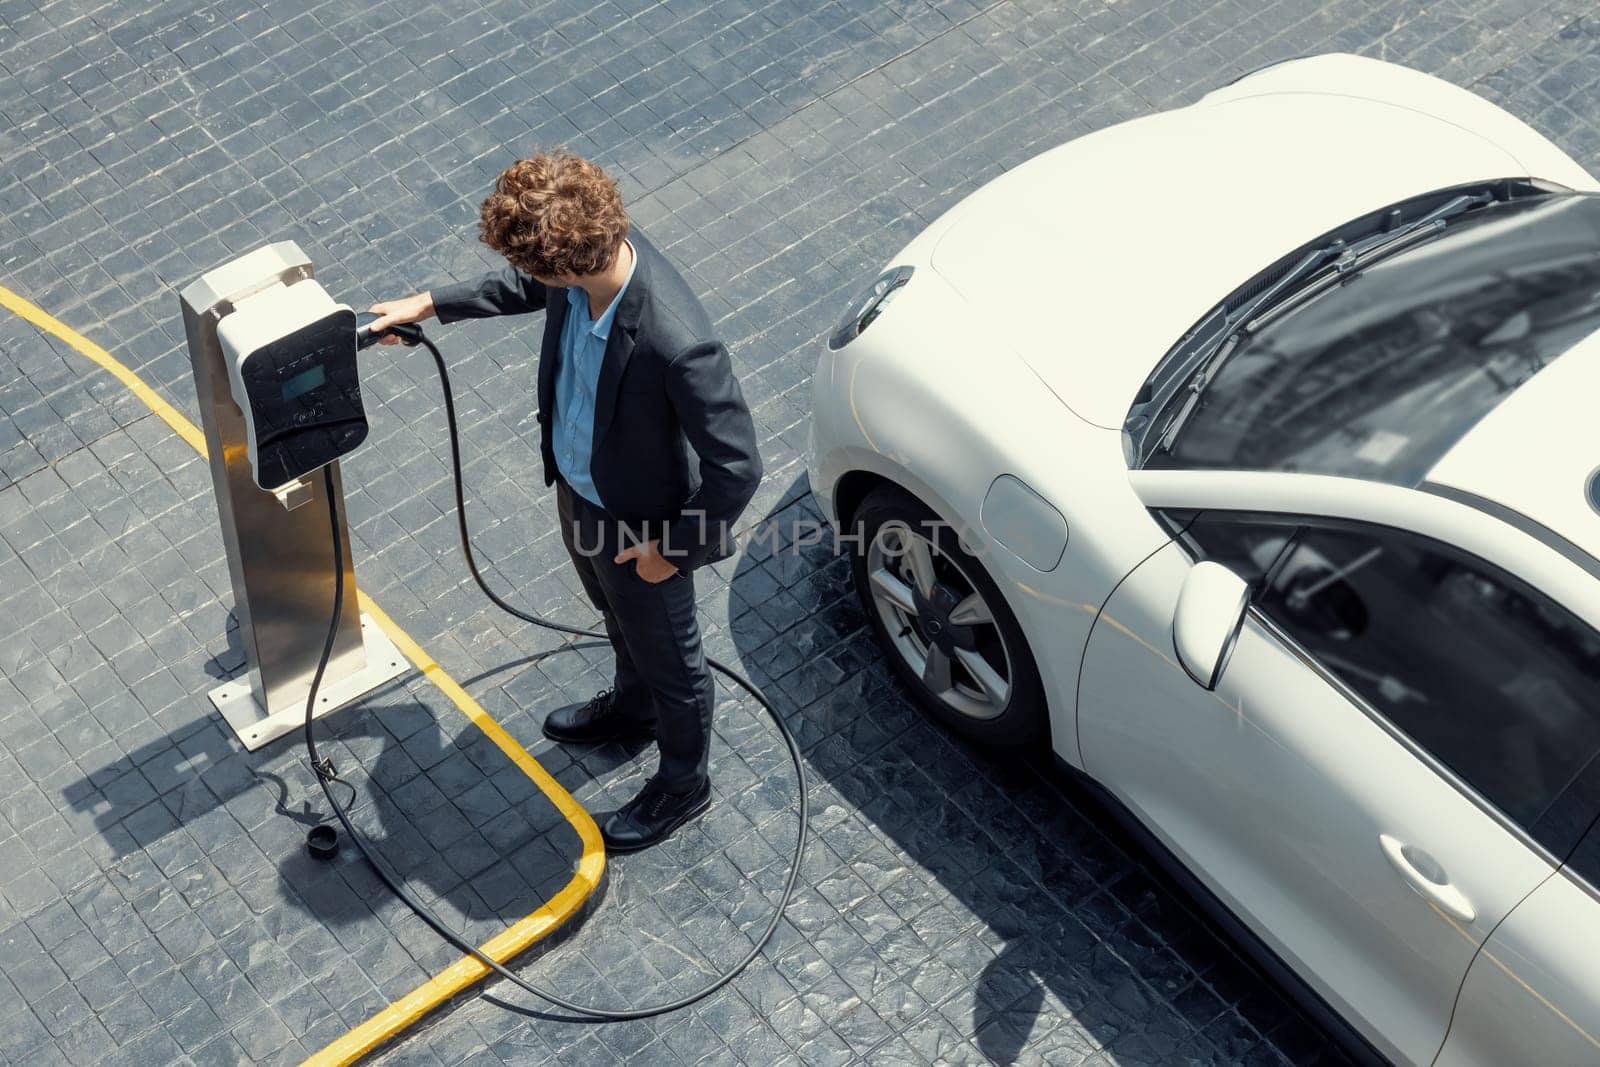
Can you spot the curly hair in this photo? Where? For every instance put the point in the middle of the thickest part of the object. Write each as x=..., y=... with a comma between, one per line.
x=554, y=214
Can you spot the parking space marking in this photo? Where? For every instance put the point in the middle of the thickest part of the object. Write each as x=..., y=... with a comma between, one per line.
x=516, y=938
x=48, y=323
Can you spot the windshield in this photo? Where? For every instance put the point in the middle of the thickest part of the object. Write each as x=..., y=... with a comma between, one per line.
x=1379, y=376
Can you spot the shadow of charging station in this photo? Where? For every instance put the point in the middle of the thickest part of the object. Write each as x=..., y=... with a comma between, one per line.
x=275, y=367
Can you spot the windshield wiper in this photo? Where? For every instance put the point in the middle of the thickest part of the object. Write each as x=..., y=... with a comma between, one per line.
x=1341, y=259
x=1388, y=240
x=1231, y=331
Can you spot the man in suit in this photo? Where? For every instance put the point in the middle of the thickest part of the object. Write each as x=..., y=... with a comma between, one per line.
x=645, y=433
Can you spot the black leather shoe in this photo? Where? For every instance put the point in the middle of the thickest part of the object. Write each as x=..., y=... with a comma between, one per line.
x=596, y=720
x=651, y=817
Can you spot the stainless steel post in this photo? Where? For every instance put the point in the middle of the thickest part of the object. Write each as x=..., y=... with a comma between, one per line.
x=279, y=555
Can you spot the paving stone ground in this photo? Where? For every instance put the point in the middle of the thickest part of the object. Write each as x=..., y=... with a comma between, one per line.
x=954, y=907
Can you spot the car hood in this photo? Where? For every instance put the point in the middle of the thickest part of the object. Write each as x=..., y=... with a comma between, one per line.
x=1092, y=260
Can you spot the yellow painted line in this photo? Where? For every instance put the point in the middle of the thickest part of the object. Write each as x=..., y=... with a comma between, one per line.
x=467, y=971
x=515, y=938
x=54, y=326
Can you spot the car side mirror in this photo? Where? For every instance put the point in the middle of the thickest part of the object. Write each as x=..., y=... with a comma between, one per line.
x=1209, y=616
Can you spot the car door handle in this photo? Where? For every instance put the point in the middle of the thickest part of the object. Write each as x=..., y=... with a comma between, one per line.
x=1450, y=900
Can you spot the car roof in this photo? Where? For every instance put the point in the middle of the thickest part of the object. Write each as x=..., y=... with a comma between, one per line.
x=1532, y=459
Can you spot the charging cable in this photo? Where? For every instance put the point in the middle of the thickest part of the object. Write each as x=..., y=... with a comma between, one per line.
x=326, y=775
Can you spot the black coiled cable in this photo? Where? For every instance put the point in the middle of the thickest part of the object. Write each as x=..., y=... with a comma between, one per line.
x=326, y=775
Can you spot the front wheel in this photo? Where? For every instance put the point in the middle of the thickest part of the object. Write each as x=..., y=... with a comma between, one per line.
x=940, y=617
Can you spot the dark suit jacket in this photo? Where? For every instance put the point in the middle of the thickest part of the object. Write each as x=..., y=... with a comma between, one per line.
x=674, y=445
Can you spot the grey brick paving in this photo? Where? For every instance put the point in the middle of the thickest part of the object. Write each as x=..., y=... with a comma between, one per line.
x=154, y=905
x=155, y=886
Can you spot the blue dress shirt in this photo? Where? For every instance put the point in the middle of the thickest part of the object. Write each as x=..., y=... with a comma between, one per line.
x=583, y=350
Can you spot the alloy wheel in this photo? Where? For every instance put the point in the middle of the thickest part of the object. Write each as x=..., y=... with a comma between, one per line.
x=938, y=622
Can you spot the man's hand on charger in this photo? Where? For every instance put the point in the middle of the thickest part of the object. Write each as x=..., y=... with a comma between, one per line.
x=652, y=566
x=407, y=309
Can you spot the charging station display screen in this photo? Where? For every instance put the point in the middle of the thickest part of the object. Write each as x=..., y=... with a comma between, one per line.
x=305, y=399
x=304, y=382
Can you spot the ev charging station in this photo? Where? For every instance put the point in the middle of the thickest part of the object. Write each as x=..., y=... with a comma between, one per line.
x=275, y=366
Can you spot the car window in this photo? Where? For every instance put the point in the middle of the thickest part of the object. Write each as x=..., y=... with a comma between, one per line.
x=1379, y=377
x=1495, y=680
x=1248, y=545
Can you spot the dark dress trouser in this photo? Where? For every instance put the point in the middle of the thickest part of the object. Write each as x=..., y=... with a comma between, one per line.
x=661, y=673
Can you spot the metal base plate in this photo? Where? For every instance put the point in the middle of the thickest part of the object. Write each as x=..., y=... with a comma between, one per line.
x=237, y=701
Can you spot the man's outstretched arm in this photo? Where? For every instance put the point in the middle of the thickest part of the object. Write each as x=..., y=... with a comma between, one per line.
x=500, y=292
x=507, y=291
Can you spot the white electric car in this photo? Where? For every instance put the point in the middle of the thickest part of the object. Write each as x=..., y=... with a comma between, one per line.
x=1250, y=452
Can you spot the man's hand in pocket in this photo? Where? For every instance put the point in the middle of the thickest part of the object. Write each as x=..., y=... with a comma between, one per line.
x=648, y=562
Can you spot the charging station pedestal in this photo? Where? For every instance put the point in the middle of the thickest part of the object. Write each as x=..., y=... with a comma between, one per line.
x=280, y=557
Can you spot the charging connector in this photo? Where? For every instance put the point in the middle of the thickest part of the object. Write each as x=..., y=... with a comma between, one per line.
x=410, y=333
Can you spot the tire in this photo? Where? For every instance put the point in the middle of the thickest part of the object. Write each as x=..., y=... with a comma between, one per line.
x=917, y=631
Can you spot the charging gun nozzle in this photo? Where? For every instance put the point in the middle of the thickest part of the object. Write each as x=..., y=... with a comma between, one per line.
x=408, y=332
